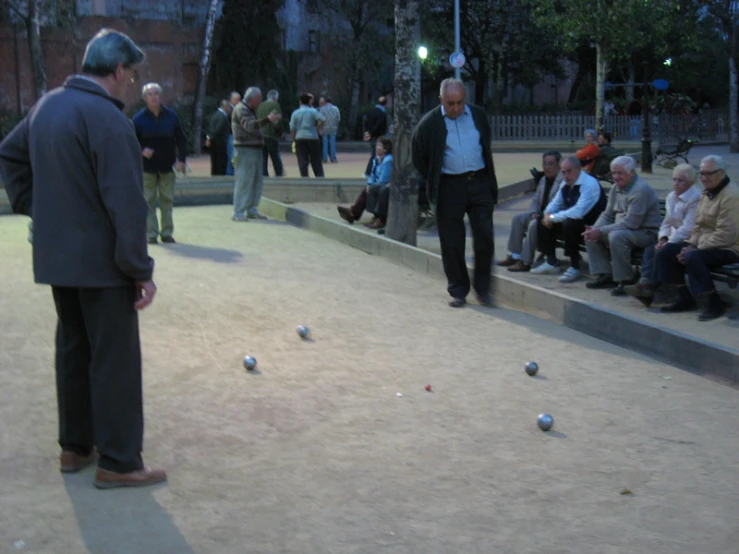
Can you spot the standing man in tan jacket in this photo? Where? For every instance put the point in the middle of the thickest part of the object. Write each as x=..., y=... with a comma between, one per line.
x=713, y=243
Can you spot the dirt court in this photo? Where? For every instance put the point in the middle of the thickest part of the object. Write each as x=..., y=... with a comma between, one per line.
x=316, y=452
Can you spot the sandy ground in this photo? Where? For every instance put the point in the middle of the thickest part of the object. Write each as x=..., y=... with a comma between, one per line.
x=315, y=452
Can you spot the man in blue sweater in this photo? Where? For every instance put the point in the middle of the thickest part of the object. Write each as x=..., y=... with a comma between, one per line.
x=163, y=145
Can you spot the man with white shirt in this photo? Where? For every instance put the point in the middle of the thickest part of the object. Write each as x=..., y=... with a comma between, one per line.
x=677, y=226
x=578, y=203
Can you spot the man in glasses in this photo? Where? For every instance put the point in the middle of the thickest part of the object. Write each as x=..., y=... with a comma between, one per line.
x=713, y=243
x=79, y=175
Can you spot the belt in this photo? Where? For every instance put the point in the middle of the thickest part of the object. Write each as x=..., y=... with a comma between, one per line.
x=468, y=176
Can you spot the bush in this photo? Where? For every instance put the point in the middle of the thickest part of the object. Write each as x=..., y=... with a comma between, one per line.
x=8, y=121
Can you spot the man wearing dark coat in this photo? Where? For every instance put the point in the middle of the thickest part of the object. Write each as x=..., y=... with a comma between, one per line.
x=80, y=177
x=219, y=129
x=451, y=151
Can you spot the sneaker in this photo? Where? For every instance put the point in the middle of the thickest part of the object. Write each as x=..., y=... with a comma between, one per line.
x=256, y=215
x=169, y=240
x=545, y=269
x=570, y=276
x=240, y=218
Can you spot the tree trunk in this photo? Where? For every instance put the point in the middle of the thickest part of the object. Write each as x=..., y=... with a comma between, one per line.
x=34, y=45
x=403, y=211
x=733, y=111
x=601, y=70
x=205, y=58
x=354, y=102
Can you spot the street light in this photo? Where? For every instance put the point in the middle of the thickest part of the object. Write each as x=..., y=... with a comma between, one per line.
x=423, y=52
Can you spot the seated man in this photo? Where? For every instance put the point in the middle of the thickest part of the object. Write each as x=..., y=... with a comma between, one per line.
x=589, y=152
x=523, y=243
x=631, y=220
x=578, y=203
x=677, y=226
x=379, y=179
x=604, y=143
x=714, y=242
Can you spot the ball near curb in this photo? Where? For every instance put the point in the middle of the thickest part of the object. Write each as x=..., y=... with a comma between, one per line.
x=532, y=368
x=250, y=363
x=545, y=422
x=303, y=331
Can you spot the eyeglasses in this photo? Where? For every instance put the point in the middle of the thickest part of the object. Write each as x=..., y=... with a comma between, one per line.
x=708, y=173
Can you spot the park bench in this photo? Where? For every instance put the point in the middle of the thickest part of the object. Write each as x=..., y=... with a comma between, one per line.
x=728, y=274
x=667, y=155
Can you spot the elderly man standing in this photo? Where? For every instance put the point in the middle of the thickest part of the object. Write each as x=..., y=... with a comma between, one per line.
x=80, y=177
x=631, y=220
x=523, y=242
x=714, y=242
x=234, y=100
x=248, y=144
x=578, y=203
x=272, y=134
x=330, y=128
x=162, y=144
x=451, y=151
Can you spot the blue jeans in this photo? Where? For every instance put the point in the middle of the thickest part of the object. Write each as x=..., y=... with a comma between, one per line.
x=230, y=154
x=329, y=147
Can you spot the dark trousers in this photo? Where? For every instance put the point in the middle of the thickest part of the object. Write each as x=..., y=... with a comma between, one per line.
x=271, y=150
x=357, y=209
x=218, y=159
x=383, y=203
x=373, y=145
x=98, y=375
x=457, y=197
x=571, y=231
x=698, y=265
x=309, y=152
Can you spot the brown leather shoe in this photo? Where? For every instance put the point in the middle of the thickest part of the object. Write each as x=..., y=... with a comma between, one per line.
x=509, y=261
x=519, y=266
x=105, y=479
x=71, y=462
x=376, y=224
x=346, y=214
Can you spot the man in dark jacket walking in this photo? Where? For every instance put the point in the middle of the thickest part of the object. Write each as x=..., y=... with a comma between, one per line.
x=219, y=129
x=80, y=177
x=451, y=151
x=374, y=124
x=162, y=143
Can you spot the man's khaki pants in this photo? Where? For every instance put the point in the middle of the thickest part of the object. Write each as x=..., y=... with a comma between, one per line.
x=611, y=254
x=163, y=184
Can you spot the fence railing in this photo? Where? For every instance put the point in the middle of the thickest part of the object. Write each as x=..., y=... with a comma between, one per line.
x=711, y=125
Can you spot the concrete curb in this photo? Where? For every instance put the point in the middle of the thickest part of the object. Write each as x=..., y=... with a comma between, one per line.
x=687, y=352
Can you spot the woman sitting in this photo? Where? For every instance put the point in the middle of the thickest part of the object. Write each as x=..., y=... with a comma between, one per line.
x=370, y=197
x=589, y=152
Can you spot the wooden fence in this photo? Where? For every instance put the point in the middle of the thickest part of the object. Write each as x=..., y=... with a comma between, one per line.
x=711, y=125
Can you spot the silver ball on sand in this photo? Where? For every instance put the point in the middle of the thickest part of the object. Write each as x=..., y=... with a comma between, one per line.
x=250, y=363
x=532, y=368
x=303, y=331
x=545, y=422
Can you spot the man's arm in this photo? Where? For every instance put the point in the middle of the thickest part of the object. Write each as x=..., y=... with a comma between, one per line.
x=120, y=181
x=538, y=197
x=419, y=151
x=637, y=208
x=181, y=140
x=15, y=169
x=683, y=232
x=726, y=231
x=609, y=215
x=589, y=196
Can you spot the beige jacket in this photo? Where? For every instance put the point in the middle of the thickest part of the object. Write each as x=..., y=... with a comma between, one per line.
x=717, y=220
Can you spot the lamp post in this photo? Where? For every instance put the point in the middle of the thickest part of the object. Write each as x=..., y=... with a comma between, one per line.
x=422, y=54
x=457, y=40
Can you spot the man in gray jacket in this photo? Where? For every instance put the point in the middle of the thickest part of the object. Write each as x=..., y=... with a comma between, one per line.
x=523, y=243
x=631, y=220
x=80, y=177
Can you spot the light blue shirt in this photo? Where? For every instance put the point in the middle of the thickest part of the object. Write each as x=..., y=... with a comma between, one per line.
x=463, y=152
x=381, y=174
x=304, y=123
x=589, y=196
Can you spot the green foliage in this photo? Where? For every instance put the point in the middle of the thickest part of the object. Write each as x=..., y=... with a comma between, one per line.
x=8, y=121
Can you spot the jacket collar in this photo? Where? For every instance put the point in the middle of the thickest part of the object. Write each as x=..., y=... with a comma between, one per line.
x=85, y=84
x=713, y=193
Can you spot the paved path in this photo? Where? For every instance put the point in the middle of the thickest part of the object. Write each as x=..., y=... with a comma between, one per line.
x=317, y=454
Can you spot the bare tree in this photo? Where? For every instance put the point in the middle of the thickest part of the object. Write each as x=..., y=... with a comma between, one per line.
x=403, y=210
x=29, y=12
x=205, y=59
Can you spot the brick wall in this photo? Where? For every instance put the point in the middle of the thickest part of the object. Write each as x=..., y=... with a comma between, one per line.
x=172, y=58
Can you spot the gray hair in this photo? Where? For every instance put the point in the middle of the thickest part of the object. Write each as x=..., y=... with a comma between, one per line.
x=686, y=170
x=718, y=161
x=273, y=95
x=224, y=104
x=106, y=50
x=627, y=162
x=148, y=86
x=251, y=93
x=450, y=82
x=591, y=132
x=553, y=153
x=571, y=160
x=234, y=94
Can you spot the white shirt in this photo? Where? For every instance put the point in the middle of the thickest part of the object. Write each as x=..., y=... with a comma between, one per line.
x=680, y=215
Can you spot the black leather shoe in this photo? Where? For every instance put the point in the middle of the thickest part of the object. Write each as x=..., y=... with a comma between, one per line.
x=485, y=300
x=602, y=282
x=682, y=305
x=152, y=240
x=715, y=309
x=457, y=302
x=169, y=240
x=619, y=290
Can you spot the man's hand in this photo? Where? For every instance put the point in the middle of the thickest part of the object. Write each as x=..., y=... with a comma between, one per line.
x=591, y=234
x=180, y=166
x=661, y=244
x=684, y=252
x=367, y=137
x=274, y=116
x=145, y=291
x=207, y=143
x=147, y=153
x=534, y=215
x=547, y=221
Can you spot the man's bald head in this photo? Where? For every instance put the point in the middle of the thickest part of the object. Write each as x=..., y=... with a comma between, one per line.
x=452, y=95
